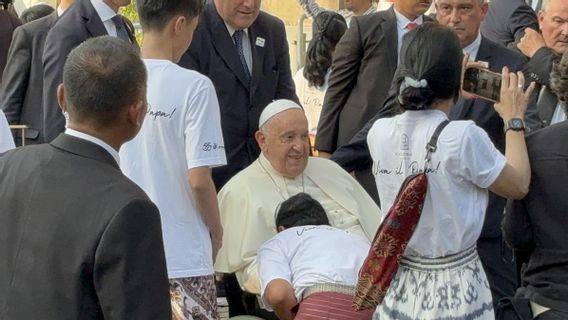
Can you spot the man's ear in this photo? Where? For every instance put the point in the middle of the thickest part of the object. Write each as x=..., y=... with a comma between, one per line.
x=280, y=229
x=260, y=139
x=136, y=113
x=61, y=98
x=484, y=9
x=179, y=22
x=540, y=17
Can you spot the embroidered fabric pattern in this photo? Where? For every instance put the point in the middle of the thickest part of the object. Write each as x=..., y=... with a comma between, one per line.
x=194, y=298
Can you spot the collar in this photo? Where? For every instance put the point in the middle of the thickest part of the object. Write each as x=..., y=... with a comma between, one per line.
x=103, y=10
x=97, y=141
x=232, y=30
x=473, y=48
x=402, y=21
x=59, y=11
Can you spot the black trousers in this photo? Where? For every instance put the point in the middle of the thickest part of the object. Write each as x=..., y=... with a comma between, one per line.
x=500, y=268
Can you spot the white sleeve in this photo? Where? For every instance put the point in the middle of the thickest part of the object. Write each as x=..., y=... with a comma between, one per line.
x=6, y=140
x=480, y=162
x=203, y=137
x=272, y=264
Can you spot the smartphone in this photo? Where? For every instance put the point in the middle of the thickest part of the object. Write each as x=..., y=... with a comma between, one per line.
x=482, y=83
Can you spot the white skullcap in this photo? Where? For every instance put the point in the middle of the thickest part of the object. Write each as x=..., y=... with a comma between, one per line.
x=276, y=107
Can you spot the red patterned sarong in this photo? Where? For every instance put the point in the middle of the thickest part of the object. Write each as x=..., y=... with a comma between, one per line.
x=331, y=306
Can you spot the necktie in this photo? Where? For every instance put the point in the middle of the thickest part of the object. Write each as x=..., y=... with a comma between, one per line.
x=120, y=28
x=411, y=26
x=238, y=39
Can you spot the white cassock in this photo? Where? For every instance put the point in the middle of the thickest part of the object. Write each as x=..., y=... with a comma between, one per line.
x=249, y=201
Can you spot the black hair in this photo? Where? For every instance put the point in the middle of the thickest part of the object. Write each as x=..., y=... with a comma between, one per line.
x=35, y=12
x=301, y=210
x=430, y=66
x=328, y=28
x=155, y=14
x=102, y=76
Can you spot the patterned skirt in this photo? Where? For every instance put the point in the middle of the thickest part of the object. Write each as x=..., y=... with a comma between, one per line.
x=450, y=288
x=194, y=298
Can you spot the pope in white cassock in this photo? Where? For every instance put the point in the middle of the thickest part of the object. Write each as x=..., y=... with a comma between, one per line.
x=249, y=201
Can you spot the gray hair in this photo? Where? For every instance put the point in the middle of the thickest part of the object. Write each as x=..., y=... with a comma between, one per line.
x=559, y=79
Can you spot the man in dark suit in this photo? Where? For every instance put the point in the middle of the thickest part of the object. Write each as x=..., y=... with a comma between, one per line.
x=8, y=22
x=364, y=63
x=22, y=81
x=543, y=50
x=84, y=20
x=507, y=20
x=496, y=258
x=85, y=242
x=244, y=52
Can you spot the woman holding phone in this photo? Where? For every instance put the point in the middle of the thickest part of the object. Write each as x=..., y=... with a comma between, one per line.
x=440, y=275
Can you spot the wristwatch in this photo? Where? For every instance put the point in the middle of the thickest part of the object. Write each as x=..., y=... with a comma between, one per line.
x=515, y=124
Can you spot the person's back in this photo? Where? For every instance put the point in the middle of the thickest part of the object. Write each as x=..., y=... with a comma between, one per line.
x=310, y=268
x=536, y=226
x=79, y=240
x=315, y=255
x=456, y=161
x=171, y=158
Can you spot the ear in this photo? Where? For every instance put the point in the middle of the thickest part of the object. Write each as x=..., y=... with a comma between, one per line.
x=484, y=9
x=136, y=112
x=540, y=17
x=179, y=23
x=260, y=139
x=280, y=229
x=61, y=98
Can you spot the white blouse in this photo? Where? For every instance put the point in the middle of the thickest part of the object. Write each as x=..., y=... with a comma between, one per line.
x=465, y=164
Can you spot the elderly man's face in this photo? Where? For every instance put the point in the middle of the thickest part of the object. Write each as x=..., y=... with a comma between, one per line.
x=554, y=25
x=284, y=142
x=464, y=16
x=414, y=8
x=239, y=14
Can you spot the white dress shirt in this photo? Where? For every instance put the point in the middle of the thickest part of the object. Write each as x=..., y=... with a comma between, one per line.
x=402, y=22
x=559, y=114
x=473, y=48
x=106, y=14
x=95, y=140
x=247, y=50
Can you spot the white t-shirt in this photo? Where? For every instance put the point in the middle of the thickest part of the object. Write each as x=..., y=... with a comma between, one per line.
x=181, y=131
x=311, y=98
x=309, y=255
x=6, y=139
x=465, y=164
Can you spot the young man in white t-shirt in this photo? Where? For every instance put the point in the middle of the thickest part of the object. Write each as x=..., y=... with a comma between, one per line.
x=309, y=269
x=172, y=156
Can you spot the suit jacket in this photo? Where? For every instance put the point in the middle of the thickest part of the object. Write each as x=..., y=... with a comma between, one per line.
x=84, y=243
x=506, y=21
x=536, y=225
x=356, y=91
x=538, y=69
x=8, y=22
x=213, y=53
x=356, y=153
x=22, y=81
x=79, y=23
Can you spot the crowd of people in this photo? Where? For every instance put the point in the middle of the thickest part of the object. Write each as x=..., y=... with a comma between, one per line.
x=164, y=174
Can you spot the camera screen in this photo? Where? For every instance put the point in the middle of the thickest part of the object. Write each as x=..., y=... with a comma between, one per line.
x=482, y=83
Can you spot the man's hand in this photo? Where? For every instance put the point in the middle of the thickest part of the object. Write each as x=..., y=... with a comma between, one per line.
x=531, y=42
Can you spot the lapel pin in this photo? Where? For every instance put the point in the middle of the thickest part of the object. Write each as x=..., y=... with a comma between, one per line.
x=260, y=42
